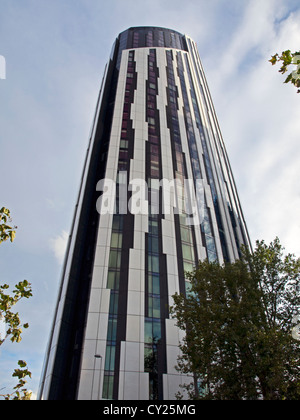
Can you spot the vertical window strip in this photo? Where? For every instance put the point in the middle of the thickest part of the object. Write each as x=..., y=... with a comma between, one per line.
x=135, y=41
x=149, y=39
x=207, y=162
x=161, y=40
x=114, y=268
x=233, y=200
x=206, y=225
x=153, y=332
x=186, y=234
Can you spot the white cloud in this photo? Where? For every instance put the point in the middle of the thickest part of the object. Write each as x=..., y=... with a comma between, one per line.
x=259, y=118
x=58, y=245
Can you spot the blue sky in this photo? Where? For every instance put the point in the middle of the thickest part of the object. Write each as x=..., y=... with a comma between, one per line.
x=55, y=52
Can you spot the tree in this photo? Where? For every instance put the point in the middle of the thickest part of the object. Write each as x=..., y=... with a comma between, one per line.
x=12, y=320
x=237, y=321
x=288, y=58
x=20, y=393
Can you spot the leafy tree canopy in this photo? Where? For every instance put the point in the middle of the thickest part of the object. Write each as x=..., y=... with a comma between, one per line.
x=287, y=58
x=238, y=321
x=11, y=319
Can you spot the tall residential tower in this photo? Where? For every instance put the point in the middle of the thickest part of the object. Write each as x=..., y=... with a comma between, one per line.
x=157, y=195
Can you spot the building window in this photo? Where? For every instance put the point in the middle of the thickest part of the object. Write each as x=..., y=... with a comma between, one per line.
x=151, y=120
x=108, y=385
x=113, y=279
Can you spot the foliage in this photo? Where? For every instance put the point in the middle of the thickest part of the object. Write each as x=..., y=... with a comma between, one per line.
x=238, y=319
x=6, y=231
x=18, y=393
x=288, y=58
x=11, y=319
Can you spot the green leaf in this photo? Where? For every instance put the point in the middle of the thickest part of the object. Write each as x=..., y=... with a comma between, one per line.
x=289, y=78
x=287, y=58
x=12, y=235
x=273, y=60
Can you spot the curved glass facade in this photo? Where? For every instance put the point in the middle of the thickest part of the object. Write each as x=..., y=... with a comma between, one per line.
x=147, y=36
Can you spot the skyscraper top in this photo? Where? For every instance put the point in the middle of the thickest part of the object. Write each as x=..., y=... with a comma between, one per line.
x=151, y=36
